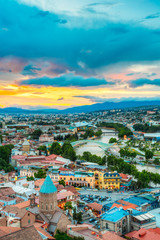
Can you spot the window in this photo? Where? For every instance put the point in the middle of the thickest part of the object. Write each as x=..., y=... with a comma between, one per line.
x=51, y=206
x=29, y=221
x=28, y=214
x=46, y=207
x=107, y=225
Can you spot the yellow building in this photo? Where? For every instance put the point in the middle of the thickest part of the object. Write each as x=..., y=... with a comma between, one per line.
x=83, y=179
x=108, y=180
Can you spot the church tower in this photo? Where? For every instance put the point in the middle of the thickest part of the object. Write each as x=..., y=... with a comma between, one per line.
x=26, y=146
x=48, y=197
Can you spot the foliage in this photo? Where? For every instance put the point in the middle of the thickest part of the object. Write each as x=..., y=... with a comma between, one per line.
x=68, y=205
x=146, y=128
x=30, y=178
x=66, y=150
x=63, y=236
x=77, y=216
x=119, y=127
x=91, y=133
x=5, y=166
x=93, y=158
x=55, y=148
x=62, y=182
x=125, y=152
x=43, y=149
x=40, y=174
x=156, y=161
x=5, y=153
x=36, y=134
x=112, y=140
x=148, y=154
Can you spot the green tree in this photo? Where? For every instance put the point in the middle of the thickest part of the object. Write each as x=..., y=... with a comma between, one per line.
x=40, y=174
x=148, y=154
x=30, y=178
x=63, y=236
x=36, y=134
x=68, y=206
x=43, y=149
x=62, y=182
x=112, y=140
x=55, y=148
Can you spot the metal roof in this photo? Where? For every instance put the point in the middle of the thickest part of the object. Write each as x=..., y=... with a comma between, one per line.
x=48, y=186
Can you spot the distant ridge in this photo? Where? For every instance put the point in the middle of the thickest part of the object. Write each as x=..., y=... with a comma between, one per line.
x=85, y=108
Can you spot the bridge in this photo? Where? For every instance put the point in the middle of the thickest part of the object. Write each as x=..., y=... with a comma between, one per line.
x=110, y=133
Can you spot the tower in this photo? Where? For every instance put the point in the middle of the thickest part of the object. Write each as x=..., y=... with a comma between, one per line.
x=48, y=197
x=26, y=146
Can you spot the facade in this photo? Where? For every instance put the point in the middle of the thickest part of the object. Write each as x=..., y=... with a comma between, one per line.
x=108, y=180
x=123, y=221
x=48, y=197
x=83, y=179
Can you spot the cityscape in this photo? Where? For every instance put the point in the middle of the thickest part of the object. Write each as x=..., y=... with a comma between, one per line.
x=79, y=120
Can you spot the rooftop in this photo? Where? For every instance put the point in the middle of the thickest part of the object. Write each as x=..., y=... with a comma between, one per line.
x=48, y=186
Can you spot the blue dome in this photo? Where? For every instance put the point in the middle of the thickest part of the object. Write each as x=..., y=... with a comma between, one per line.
x=48, y=186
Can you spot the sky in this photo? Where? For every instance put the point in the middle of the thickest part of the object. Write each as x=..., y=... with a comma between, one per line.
x=65, y=53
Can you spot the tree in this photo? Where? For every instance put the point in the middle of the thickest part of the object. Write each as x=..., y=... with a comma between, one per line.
x=43, y=149
x=55, y=148
x=62, y=182
x=36, y=134
x=112, y=140
x=156, y=161
x=77, y=216
x=68, y=206
x=148, y=154
x=68, y=151
x=63, y=236
x=40, y=174
x=30, y=178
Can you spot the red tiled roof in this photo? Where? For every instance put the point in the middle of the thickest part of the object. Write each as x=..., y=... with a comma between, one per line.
x=24, y=204
x=110, y=236
x=144, y=234
x=95, y=206
x=6, y=230
x=62, y=195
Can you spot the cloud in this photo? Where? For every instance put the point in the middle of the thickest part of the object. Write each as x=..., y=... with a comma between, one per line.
x=66, y=80
x=144, y=81
x=109, y=41
x=30, y=70
x=153, y=16
x=93, y=98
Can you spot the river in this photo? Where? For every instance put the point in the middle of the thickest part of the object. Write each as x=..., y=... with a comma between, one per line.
x=93, y=147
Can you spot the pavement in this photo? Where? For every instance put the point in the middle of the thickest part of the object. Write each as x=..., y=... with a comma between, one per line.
x=114, y=196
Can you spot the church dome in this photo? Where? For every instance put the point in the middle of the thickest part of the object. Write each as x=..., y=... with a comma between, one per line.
x=48, y=186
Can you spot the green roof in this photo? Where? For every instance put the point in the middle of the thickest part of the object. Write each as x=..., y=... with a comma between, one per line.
x=48, y=186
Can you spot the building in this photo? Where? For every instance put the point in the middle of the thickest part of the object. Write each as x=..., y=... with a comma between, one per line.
x=116, y=220
x=83, y=179
x=23, y=234
x=48, y=210
x=108, y=180
x=26, y=146
x=17, y=217
x=122, y=221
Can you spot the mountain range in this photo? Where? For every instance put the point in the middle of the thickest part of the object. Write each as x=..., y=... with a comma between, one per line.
x=84, y=108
